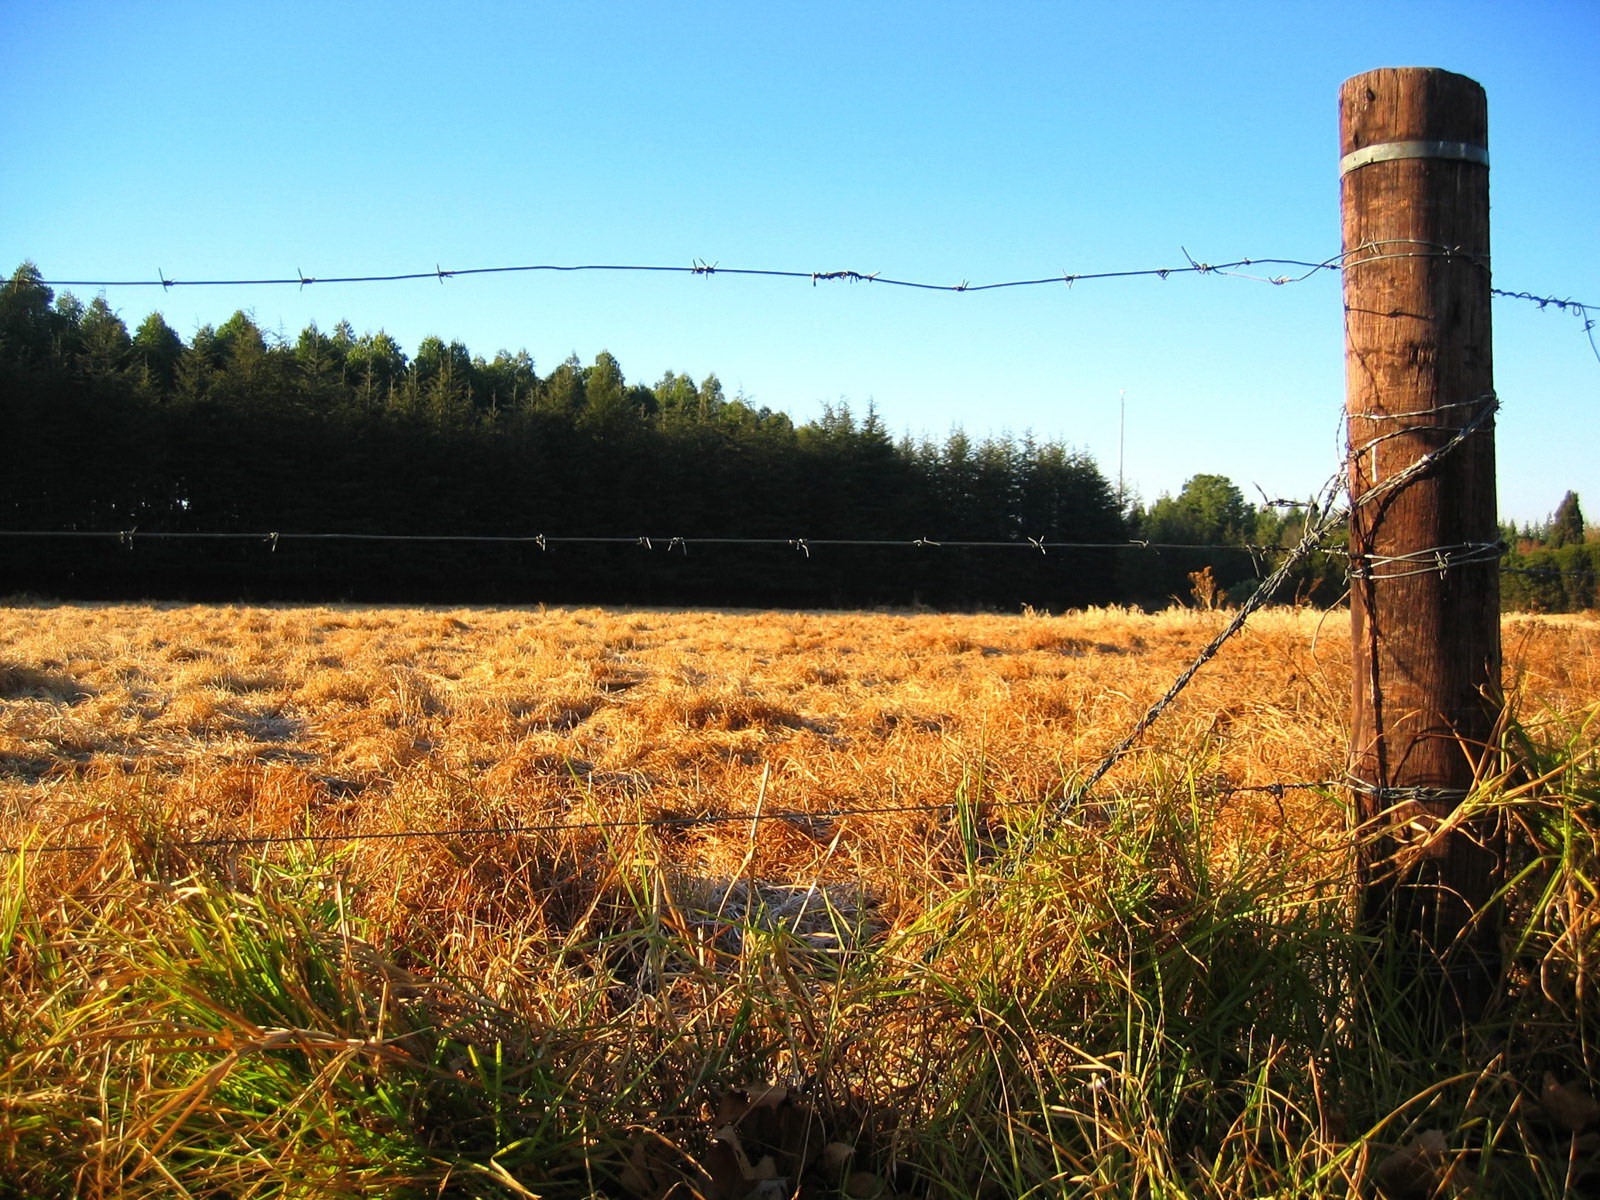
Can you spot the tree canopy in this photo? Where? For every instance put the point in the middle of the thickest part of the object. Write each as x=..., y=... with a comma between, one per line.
x=331, y=431
x=240, y=430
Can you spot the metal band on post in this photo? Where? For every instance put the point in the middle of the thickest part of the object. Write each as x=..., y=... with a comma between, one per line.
x=1390, y=151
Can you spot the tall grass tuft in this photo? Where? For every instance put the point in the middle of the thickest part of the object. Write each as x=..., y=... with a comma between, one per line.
x=203, y=1037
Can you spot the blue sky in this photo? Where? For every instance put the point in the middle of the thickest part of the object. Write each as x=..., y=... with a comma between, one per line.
x=945, y=142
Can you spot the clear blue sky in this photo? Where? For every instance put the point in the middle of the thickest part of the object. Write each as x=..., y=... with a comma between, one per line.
x=931, y=141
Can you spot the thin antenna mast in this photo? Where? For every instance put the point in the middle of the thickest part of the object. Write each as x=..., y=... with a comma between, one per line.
x=1122, y=425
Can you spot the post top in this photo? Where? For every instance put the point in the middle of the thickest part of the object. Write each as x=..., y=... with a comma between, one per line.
x=1411, y=104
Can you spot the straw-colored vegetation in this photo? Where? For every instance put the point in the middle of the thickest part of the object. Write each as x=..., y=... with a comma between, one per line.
x=630, y=996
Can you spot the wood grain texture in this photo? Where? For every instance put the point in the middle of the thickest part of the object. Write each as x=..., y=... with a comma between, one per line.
x=1419, y=367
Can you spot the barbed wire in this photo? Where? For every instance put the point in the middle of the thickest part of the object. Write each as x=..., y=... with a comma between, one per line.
x=271, y=539
x=1419, y=562
x=1584, y=312
x=1316, y=529
x=1236, y=268
x=797, y=817
x=1436, y=560
x=703, y=268
x=1300, y=270
x=1316, y=532
x=1486, y=406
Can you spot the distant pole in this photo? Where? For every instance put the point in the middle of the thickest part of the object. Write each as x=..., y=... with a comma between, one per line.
x=1425, y=595
x=1122, y=429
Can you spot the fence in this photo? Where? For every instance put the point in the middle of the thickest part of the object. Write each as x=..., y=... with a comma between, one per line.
x=1420, y=466
x=1240, y=268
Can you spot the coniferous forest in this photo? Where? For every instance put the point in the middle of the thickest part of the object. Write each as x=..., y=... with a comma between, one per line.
x=233, y=431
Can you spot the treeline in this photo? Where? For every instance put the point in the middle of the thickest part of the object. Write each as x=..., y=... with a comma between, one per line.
x=333, y=432
x=1552, y=567
x=1211, y=514
x=233, y=430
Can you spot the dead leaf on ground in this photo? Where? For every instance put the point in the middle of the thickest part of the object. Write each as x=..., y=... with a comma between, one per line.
x=1416, y=1170
x=1567, y=1106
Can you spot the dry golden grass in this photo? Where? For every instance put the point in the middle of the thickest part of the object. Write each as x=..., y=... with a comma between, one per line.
x=215, y=721
x=1164, y=997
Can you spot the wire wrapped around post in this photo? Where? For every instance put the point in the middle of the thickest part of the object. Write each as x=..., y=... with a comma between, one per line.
x=1424, y=538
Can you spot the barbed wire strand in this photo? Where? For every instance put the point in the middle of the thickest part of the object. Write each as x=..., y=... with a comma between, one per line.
x=660, y=821
x=1425, y=560
x=1584, y=312
x=645, y=541
x=703, y=268
x=1488, y=404
x=1307, y=268
x=1075, y=798
x=1311, y=541
x=1315, y=534
x=1235, y=269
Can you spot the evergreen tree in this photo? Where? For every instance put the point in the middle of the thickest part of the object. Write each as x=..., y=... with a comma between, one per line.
x=1210, y=510
x=506, y=384
x=105, y=347
x=66, y=333
x=677, y=401
x=26, y=323
x=375, y=364
x=1566, y=529
x=156, y=349
x=319, y=366
x=561, y=394
x=198, y=366
x=608, y=406
x=242, y=431
x=710, y=399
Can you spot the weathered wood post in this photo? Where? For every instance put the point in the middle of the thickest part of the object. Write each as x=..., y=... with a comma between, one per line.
x=1424, y=553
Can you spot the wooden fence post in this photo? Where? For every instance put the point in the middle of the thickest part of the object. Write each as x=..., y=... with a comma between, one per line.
x=1424, y=542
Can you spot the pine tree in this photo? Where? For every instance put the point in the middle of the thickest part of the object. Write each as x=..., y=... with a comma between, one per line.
x=1566, y=528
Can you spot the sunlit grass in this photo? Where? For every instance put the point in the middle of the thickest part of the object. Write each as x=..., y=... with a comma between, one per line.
x=1168, y=999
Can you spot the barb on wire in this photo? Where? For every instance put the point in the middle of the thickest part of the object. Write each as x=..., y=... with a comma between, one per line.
x=851, y=276
x=1435, y=559
x=1584, y=312
x=1280, y=502
x=1405, y=794
x=1545, y=301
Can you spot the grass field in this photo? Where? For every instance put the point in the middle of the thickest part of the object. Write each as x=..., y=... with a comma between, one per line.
x=646, y=991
